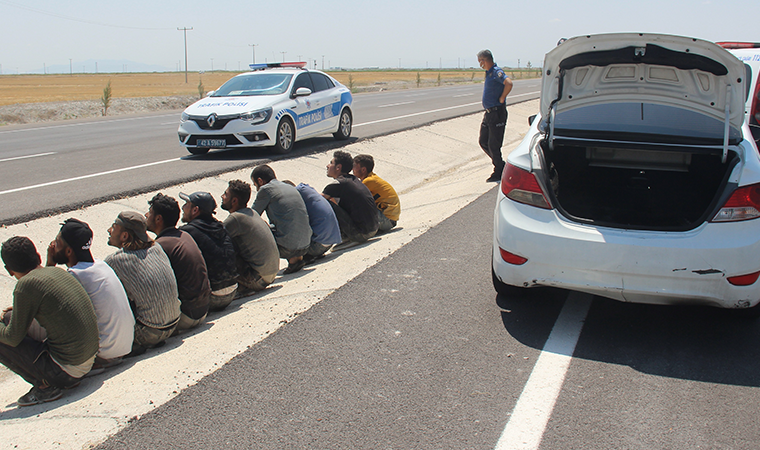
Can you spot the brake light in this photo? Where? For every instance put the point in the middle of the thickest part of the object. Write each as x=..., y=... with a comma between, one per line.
x=744, y=280
x=511, y=258
x=522, y=187
x=744, y=204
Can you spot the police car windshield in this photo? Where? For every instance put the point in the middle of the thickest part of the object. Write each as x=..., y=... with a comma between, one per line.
x=255, y=84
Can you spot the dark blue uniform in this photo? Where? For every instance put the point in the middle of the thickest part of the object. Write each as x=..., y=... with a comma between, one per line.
x=494, y=119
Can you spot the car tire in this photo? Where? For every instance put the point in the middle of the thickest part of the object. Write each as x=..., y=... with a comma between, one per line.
x=344, y=125
x=286, y=136
x=197, y=151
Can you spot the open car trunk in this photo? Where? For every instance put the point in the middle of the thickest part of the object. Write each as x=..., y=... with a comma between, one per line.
x=636, y=188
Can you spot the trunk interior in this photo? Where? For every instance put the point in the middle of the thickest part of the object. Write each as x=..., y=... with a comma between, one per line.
x=669, y=190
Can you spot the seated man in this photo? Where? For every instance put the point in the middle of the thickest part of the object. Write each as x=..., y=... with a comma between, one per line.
x=186, y=258
x=147, y=277
x=56, y=301
x=325, y=230
x=258, y=258
x=116, y=323
x=351, y=200
x=215, y=244
x=385, y=196
x=286, y=212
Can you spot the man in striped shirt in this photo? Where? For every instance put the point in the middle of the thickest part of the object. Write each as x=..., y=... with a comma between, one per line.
x=147, y=276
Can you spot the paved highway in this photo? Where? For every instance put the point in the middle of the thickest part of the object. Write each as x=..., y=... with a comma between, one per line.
x=418, y=352
x=61, y=166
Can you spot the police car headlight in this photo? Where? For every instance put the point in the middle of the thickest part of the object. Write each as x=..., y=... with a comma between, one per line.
x=185, y=117
x=260, y=116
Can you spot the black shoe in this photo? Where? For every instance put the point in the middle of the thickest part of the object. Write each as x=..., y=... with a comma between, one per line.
x=496, y=176
x=38, y=395
x=293, y=268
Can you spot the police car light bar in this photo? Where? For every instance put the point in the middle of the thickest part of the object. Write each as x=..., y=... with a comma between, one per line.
x=737, y=45
x=300, y=65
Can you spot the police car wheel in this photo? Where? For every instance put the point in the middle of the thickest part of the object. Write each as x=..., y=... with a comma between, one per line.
x=197, y=151
x=344, y=126
x=285, y=136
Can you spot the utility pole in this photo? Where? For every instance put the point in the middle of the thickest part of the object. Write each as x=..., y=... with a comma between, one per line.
x=71, y=67
x=283, y=56
x=253, y=47
x=212, y=64
x=185, y=29
x=323, y=62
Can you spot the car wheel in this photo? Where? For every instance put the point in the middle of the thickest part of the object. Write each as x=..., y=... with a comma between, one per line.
x=286, y=135
x=197, y=151
x=344, y=126
x=506, y=290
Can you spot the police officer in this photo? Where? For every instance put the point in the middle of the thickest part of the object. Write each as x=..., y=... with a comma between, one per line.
x=495, y=90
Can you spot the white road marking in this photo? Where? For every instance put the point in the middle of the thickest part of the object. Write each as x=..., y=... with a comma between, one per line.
x=463, y=95
x=84, y=177
x=528, y=421
x=395, y=104
x=69, y=125
x=27, y=156
x=433, y=111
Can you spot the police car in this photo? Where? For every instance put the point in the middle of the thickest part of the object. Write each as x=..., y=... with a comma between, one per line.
x=275, y=104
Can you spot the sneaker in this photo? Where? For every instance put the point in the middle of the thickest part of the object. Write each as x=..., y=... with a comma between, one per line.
x=308, y=259
x=292, y=268
x=38, y=395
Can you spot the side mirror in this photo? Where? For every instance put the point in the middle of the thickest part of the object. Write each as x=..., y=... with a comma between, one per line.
x=531, y=119
x=302, y=92
x=210, y=93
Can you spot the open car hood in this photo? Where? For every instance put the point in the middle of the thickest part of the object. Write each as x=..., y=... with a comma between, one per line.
x=654, y=71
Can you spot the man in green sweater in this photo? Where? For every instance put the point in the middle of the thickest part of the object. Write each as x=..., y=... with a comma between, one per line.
x=51, y=305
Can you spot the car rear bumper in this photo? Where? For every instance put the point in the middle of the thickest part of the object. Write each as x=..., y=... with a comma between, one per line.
x=627, y=265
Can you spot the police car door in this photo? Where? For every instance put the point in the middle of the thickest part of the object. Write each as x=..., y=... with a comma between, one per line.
x=310, y=117
x=329, y=100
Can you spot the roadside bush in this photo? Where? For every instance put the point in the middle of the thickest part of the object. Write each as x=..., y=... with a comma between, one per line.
x=106, y=98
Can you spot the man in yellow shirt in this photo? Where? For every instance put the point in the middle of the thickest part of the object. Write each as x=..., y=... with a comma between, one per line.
x=386, y=199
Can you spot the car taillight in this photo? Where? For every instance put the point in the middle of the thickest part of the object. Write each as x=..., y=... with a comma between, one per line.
x=511, y=258
x=522, y=187
x=744, y=204
x=744, y=280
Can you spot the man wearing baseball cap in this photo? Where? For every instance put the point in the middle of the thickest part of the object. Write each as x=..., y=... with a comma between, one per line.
x=215, y=244
x=116, y=322
x=147, y=276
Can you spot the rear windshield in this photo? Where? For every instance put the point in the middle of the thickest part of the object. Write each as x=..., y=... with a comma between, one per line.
x=255, y=84
x=643, y=122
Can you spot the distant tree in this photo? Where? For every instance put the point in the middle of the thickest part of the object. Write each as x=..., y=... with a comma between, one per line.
x=529, y=66
x=350, y=83
x=418, y=79
x=439, y=78
x=200, y=88
x=106, y=98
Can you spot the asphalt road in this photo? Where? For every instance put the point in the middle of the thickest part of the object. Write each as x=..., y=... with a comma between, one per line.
x=61, y=166
x=419, y=352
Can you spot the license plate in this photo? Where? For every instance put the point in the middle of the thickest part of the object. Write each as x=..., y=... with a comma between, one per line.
x=212, y=143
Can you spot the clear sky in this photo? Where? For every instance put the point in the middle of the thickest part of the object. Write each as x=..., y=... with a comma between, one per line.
x=73, y=35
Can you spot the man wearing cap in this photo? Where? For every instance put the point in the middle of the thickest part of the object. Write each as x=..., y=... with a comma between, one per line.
x=495, y=90
x=147, y=277
x=56, y=301
x=258, y=259
x=286, y=212
x=215, y=244
x=116, y=323
x=186, y=258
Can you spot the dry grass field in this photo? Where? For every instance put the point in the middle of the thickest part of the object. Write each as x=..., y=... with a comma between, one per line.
x=20, y=89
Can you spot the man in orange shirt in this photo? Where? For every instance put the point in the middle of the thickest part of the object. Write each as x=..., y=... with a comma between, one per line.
x=386, y=199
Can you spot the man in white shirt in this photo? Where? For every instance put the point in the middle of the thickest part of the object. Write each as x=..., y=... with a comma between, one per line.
x=115, y=319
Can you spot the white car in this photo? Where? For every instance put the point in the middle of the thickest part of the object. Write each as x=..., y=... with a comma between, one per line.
x=275, y=105
x=638, y=181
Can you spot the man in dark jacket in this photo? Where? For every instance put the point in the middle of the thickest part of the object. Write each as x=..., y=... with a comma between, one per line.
x=215, y=244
